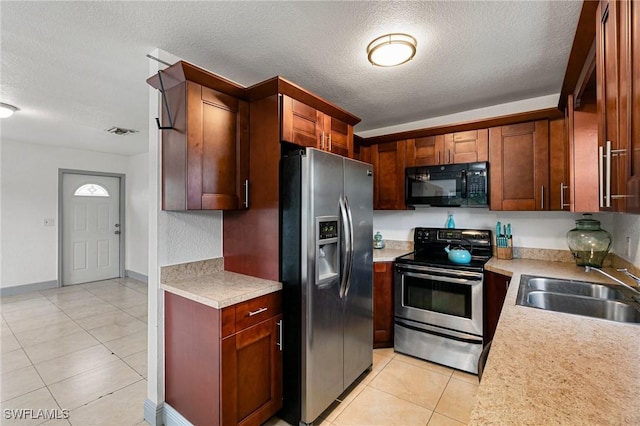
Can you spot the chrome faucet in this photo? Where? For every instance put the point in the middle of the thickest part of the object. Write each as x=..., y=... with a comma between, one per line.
x=591, y=268
x=629, y=274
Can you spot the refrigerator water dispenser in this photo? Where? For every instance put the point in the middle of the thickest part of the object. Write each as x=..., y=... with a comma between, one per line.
x=327, y=259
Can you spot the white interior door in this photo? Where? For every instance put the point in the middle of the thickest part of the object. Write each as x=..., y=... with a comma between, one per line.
x=91, y=228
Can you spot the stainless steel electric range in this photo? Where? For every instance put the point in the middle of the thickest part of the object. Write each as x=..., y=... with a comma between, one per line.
x=438, y=303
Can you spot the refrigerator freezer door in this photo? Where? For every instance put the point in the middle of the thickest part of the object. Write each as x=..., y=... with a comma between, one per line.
x=322, y=352
x=358, y=307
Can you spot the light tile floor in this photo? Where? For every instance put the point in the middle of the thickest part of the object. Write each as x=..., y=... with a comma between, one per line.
x=404, y=391
x=83, y=348
x=80, y=348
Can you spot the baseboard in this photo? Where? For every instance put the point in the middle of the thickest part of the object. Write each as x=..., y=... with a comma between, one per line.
x=172, y=418
x=136, y=276
x=153, y=412
x=25, y=288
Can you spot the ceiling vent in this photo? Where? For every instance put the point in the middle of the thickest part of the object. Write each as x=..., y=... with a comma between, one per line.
x=121, y=131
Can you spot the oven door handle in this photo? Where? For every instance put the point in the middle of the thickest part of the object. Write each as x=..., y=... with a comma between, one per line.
x=449, y=334
x=442, y=278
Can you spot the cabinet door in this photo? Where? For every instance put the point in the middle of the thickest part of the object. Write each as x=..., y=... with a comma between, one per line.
x=495, y=291
x=559, y=187
x=383, y=305
x=220, y=143
x=251, y=366
x=427, y=151
x=205, y=157
x=466, y=147
x=582, y=127
x=613, y=173
x=388, y=164
x=519, y=156
x=340, y=137
x=631, y=66
x=301, y=124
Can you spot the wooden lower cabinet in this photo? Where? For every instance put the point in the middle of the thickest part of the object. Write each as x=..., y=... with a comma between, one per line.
x=494, y=291
x=383, y=305
x=223, y=366
x=252, y=374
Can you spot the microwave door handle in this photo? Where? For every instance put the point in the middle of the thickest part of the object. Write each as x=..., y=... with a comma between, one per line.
x=464, y=184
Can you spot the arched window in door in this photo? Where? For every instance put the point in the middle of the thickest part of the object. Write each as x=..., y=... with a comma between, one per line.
x=91, y=190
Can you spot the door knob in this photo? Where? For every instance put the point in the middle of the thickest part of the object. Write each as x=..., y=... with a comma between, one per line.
x=117, y=232
x=117, y=225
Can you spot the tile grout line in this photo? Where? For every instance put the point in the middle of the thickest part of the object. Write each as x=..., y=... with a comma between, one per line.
x=33, y=365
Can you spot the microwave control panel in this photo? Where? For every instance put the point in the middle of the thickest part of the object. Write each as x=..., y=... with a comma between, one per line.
x=476, y=182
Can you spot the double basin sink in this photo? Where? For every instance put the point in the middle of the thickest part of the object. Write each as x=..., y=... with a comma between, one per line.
x=596, y=300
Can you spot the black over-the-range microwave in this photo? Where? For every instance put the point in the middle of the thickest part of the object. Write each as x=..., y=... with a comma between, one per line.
x=448, y=185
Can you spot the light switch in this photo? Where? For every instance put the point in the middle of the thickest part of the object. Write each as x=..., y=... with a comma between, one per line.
x=49, y=222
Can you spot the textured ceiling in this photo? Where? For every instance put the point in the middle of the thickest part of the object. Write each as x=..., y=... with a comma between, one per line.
x=77, y=68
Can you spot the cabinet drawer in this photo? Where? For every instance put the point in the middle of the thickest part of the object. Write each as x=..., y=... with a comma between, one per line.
x=256, y=310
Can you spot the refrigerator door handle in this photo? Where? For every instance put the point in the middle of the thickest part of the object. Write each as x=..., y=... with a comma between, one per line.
x=350, y=253
x=346, y=240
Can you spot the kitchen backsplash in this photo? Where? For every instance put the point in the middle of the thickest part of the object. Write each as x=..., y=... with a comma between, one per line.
x=531, y=230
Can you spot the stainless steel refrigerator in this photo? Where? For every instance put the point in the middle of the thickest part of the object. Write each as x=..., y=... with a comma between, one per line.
x=326, y=270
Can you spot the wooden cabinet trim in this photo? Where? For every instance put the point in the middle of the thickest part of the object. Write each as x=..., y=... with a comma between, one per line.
x=549, y=113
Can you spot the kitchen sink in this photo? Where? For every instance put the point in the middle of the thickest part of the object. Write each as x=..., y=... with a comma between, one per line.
x=577, y=288
x=579, y=298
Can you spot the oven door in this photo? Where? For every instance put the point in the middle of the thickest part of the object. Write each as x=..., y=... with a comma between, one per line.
x=446, y=298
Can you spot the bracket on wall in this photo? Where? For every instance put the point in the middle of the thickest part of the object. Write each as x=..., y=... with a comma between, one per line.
x=166, y=106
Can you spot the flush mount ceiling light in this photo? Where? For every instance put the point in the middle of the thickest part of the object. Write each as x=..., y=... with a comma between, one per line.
x=7, y=110
x=390, y=50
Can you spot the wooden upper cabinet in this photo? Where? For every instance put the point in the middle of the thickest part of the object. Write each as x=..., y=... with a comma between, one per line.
x=612, y=106
x=340, y=137
x=582, y=128
x=630, y=83
x=388, y=165
x=301, y=124
x=306, y=126
x=559, y=188
x=427, y=151
x=519, y=174
x=205, y=161
x=460, y=147
x=466, y=147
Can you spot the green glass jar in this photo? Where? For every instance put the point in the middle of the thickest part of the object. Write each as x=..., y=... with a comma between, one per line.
x=589, y=243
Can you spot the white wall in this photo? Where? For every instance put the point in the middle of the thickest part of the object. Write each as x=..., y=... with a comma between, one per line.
x=188, y=237
x=626, y=225
x=173, y=238
x=137, y=214
x=529, y=229
x=30, y=194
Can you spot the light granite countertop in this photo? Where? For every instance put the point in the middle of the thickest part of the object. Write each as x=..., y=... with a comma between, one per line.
x=221, y=289
x=388, y=254
x=546, y=367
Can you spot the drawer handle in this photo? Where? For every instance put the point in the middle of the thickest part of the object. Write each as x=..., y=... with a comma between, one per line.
x=259, y=311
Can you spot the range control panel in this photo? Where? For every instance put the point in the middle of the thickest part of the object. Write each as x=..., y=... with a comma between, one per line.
x=427, y=236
